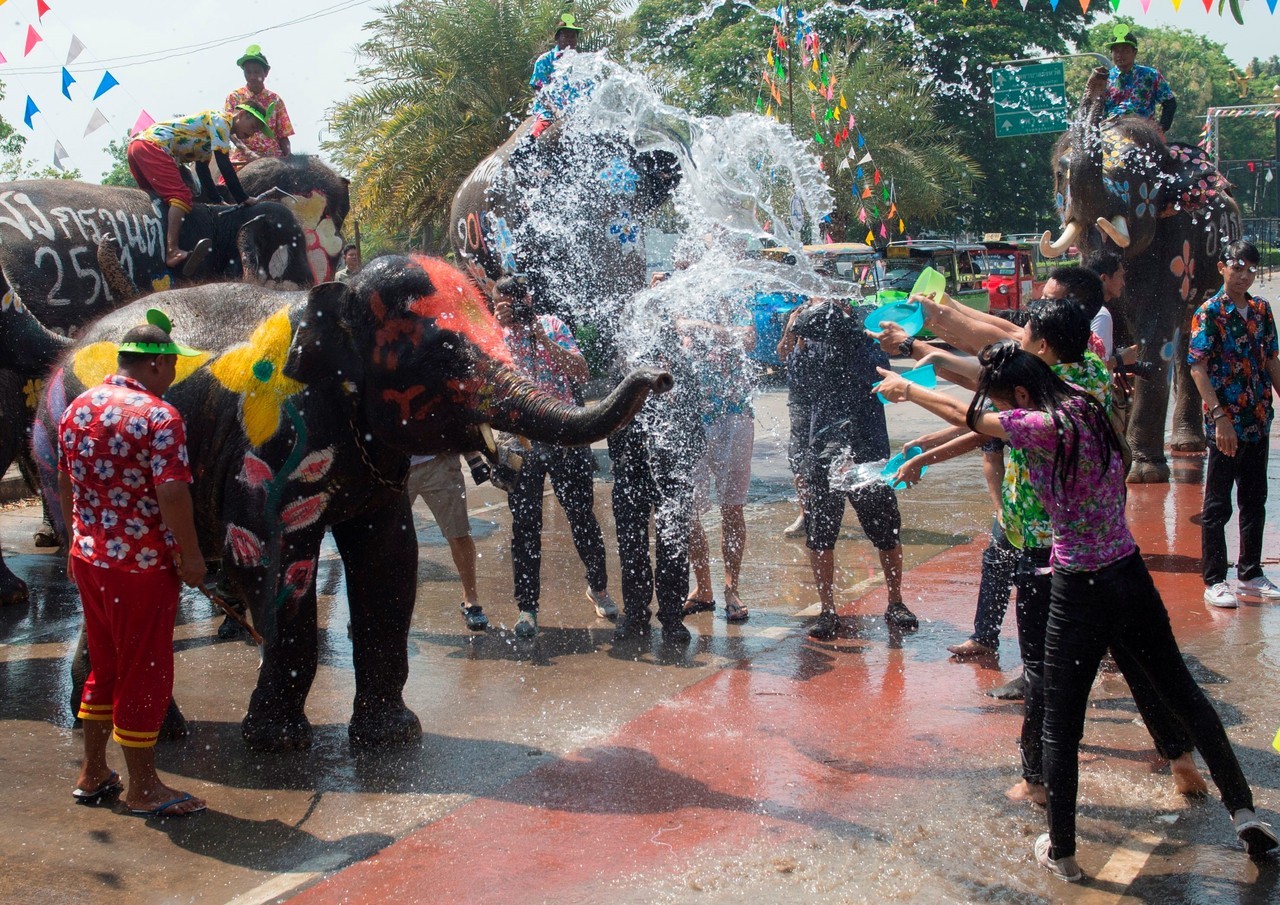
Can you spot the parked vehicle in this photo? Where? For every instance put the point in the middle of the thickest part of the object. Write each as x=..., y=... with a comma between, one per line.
x=962, y=265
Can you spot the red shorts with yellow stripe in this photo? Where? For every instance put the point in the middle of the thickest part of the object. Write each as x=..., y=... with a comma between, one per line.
x=128, y=621
x=157, y=173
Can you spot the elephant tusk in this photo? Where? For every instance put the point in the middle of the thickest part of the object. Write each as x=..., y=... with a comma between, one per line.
x=1058, y=248
x=1116, y=229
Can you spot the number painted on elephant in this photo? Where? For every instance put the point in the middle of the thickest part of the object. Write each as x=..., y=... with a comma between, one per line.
x=45, y=253
x=471, y=231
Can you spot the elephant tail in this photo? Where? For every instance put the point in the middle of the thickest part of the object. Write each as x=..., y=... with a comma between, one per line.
x=517, y=405
x=112, y=269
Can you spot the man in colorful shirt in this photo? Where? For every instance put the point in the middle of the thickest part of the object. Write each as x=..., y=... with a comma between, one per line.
x=544, y=349
x=273, y=139
x=1130, y=88
x=546, y=108
x=122, y=483
x=1234, y=366
x=155, y=154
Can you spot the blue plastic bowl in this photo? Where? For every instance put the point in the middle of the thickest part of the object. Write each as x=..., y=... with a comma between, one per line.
x=891, y=467
x=909, y=315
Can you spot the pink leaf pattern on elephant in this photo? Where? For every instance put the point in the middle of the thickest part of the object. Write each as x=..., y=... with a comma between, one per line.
x=304, y=512
x=255, y=472
x=1184, y=268
x=246, y=547
x=299, y=576
x=314, y=467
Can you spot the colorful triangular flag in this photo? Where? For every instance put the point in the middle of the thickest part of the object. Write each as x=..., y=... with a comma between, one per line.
x=2, y=59
x=59, y=155
x=32, y=39
x=96, y=122
x=76, y=48
x=41, y=9
x=143, y=122
x=108, y=82
x=67, y=81
x=32, y=110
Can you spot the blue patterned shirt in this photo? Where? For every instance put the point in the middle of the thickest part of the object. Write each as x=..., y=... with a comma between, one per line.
x=1235, y=345
x=1137, y=91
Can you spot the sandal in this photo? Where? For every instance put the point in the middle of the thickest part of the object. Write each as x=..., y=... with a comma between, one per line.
x=734, y=611
x=694, y=605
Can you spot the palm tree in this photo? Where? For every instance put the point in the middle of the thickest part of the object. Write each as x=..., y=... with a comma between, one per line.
x=446, y=81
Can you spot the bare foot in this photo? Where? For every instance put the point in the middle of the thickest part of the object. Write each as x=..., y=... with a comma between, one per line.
x=179, y=803
x=1028, y=791
x=176, y=258
x=969, y=649
x=1186, y=777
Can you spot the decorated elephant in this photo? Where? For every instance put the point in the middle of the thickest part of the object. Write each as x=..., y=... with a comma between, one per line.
x=302, y=412
x=568, y=211
x=1168, y=212
x=319, y=198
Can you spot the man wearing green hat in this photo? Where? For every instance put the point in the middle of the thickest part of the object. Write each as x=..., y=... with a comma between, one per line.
x=273, y=139
x=566, y=39
x=1130, y=88
x=123, y=479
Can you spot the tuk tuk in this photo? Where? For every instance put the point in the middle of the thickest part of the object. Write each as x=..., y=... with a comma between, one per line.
x=962, y=265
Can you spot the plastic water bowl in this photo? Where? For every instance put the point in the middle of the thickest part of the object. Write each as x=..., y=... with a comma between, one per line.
x=891, y=467
x=906, y=314
x=924, y=376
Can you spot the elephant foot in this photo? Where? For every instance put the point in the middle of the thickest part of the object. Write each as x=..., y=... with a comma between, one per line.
x=276, y=732
x=174, y=726
x=1188, y=443
x=12, y=588
x=1148, y=473
x=45, y=536
x=393, y=725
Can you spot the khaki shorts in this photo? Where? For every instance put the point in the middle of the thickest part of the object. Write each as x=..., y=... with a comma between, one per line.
x=727, y=462
x=439, y=482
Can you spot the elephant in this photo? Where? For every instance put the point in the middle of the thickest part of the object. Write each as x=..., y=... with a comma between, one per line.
x=319, y=198
x=302, y=412
x=1169, y=213
x=568, y=212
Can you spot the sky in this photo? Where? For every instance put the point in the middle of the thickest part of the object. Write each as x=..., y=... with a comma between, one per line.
x=175, y=57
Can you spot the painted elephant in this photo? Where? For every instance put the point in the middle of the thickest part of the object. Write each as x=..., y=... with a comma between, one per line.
x=301, y=415
x=319, y=198
x=568, y=212
x=1168, y=212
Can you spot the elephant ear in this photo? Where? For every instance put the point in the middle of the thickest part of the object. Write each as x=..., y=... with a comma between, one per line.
x=323, y=346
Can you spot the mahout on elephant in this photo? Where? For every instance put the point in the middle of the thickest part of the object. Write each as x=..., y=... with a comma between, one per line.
x=1169, y=213
x=302, y=413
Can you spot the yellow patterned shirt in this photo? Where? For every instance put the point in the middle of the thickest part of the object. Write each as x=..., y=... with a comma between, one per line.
x=192, y=139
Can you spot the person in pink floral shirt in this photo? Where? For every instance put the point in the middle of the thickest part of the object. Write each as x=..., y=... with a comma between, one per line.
x=123, y=479
x=273, y=139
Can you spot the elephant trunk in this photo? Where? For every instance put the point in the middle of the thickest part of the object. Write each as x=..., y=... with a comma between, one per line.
x=516, y=405
x=1116, y=229
x=1058, y=247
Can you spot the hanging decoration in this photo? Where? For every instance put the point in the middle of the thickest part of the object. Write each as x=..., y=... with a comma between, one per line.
x=108, y=82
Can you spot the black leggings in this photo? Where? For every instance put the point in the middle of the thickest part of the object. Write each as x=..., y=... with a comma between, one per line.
x=653, y=479
x=1118, y=606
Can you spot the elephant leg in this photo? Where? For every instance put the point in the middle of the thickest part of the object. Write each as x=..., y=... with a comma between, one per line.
x=1188, y=410
x=380, y=557
x=276, y=720
x=12, y=436
x=1146, y=432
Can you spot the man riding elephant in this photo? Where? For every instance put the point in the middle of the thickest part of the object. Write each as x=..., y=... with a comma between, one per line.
x=1129, y=89
x=302, y=413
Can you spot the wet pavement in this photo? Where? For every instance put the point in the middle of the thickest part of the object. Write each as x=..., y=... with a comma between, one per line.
x=753, y=765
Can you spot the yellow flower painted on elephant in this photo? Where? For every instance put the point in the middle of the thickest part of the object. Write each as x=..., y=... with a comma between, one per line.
x=31, y=393
x=96, y=360
x=160, y=284
x=323, y=241
x=255, y=370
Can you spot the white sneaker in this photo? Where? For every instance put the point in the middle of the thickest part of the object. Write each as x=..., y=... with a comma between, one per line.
x=1062, y=868
x=604, y=603
x=1259, y=588
x=1220, y=595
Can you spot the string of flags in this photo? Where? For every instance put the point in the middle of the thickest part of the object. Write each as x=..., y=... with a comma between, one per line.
x=97, y=118
x=834, y=126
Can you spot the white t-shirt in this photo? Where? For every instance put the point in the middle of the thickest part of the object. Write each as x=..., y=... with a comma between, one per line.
x=1103, y=328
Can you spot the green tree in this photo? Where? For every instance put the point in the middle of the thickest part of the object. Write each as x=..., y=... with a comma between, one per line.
x=444, y=83
x=13, y=165
x=119, y=173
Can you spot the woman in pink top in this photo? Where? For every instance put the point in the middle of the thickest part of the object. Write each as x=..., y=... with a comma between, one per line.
x=1102, y=594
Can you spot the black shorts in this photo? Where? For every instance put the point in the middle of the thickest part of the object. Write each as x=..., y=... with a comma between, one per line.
x=798, y=444
x=876, y=507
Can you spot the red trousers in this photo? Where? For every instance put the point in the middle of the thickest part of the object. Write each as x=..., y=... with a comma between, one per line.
x=156, y=172
x=128, y=622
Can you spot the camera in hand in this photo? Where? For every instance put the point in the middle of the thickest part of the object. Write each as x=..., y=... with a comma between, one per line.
x=515, y=289
x=1143, y=369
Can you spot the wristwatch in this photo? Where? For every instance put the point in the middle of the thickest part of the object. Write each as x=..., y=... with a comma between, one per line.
x=904, y=347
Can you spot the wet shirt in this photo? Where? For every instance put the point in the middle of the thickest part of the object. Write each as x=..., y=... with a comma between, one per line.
x=1089, y=529
x=1026, y=521
x=725, y=372
x=554, y=92
x=534, y=361
x=191, y=139
x=845, y=412
x=1234, y=344
x=1137, y=91
x=117, y=442
x=277, y=118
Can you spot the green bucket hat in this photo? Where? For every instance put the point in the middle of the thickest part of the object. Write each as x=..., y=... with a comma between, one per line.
x=1122, y=36
x=567, y=21
x=157, y=318
x=265, y=120
x=253, y=54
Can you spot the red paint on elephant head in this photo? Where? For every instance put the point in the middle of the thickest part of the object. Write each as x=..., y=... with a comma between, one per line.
x=458, y=305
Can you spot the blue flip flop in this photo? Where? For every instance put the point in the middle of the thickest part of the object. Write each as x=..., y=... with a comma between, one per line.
x=161, y=810
x=110, y=787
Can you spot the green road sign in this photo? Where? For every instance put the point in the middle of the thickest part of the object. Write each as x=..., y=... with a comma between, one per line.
x=1029, y=99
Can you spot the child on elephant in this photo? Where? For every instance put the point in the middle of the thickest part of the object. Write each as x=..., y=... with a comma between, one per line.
x=155, y=155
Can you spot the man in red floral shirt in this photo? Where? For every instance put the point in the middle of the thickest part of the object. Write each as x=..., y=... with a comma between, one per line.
x=122, y=481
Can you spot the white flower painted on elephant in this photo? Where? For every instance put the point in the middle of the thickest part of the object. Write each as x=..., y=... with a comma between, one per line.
x=619, y=178
x=323, y=241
